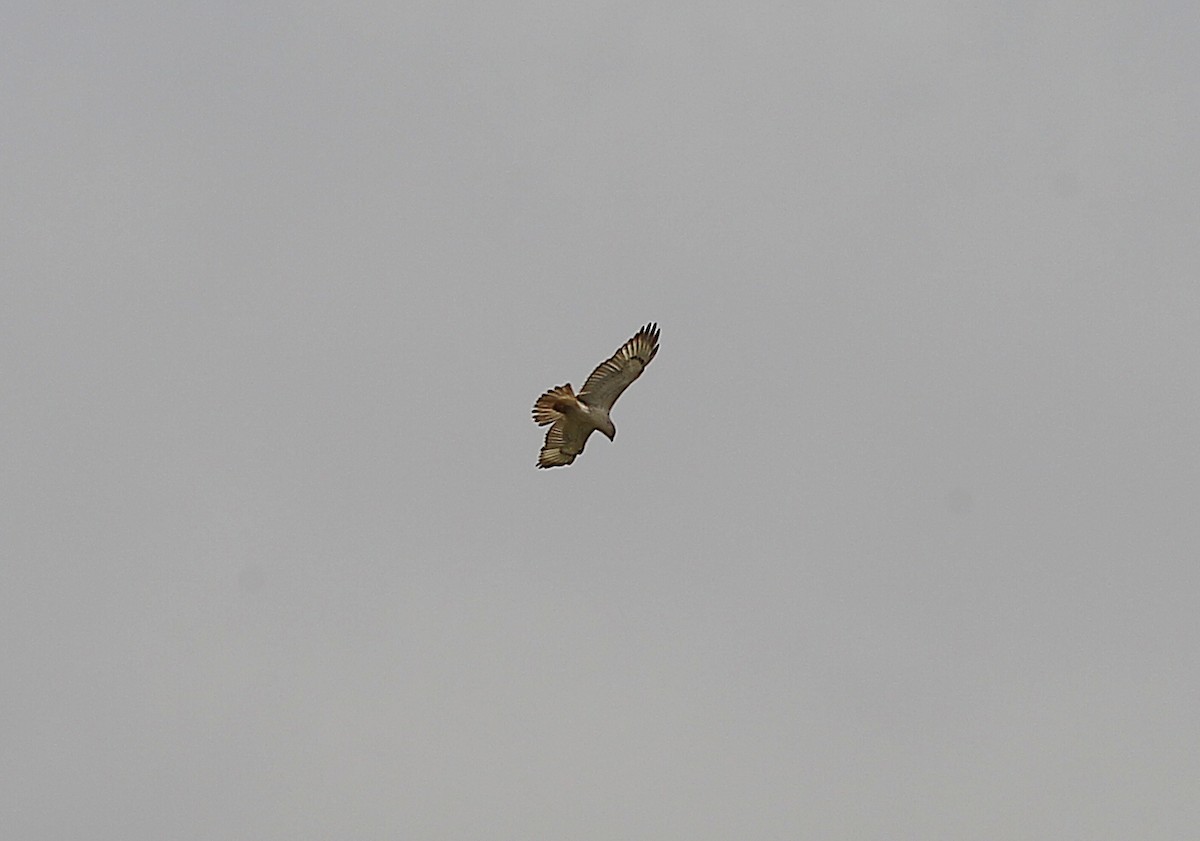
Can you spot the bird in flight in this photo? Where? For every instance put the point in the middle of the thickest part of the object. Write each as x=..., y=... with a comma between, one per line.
x=573, y=417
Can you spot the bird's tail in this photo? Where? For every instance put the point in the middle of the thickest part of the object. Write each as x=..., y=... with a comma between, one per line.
x=553, y=404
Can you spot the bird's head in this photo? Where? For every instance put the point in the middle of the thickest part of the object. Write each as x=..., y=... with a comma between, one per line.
x=609, y=430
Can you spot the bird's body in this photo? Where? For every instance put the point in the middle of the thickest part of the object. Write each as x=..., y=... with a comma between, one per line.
x=573, y=418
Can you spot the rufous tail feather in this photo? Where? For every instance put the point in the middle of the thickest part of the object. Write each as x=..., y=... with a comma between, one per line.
x=553, y=404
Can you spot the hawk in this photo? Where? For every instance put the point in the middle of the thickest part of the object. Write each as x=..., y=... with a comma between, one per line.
x=573, y=417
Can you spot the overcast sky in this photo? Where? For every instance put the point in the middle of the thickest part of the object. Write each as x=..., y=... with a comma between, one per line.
x=898, y=539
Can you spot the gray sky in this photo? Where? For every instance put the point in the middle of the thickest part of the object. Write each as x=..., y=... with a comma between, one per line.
x=899, y=536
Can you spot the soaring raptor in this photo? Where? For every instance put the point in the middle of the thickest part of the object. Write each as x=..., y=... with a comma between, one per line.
x=573, y=418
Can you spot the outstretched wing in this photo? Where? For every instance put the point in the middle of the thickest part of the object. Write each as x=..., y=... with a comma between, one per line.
x=564, y=440
x=614, y=375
